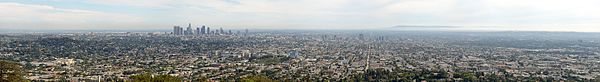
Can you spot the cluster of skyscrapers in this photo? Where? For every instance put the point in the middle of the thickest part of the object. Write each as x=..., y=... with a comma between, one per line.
x=201, y=30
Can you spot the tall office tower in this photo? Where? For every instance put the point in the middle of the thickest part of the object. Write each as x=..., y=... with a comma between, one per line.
x=246, y=31
x=380, y=38
x=181, y=30
x=334, y=37
x=221, y=32
x=197, y=31
x=207, y=30
x=293, y=54
x=361, y=37
x=229, y=32
x=189, y=25
x=175, y=30
x=217, y=31
x=203, y=30
x=189, y=31
x=237, y=32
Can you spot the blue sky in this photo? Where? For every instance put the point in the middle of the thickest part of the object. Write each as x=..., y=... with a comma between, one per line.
x=526, y=15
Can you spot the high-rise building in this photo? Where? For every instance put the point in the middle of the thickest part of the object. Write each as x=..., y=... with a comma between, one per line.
x=189, y=25
x=361, y=37
x=221, y=32
x=216, y=32
x=189, y=30
x=176, y=30
x=246, y=31
x=197, y=31
x=203, y=30
x=180, y=30
x=208, y=30
x=334, y=37
x=230, y=32
x=293, y=54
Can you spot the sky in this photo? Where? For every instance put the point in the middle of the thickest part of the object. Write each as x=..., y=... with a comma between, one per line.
x=514, y=15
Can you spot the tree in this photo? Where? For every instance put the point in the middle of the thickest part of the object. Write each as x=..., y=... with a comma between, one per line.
x=202, y=78
x=150, y=78
x=11, y=72
x=468, y=76
x=257, y=79
x=597, y=78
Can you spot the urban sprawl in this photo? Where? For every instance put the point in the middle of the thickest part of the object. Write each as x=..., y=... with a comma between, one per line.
x=306, y=55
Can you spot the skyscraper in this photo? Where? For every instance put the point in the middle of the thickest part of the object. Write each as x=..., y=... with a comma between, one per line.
x=293, y=54
x=180, y=30
x=216, y=32
x=361, y=37
x=203, y=30
x=207, y=30
x=334, y=37
x=380, y=38
x=189, y=25
x=197, y=32
x=175, y=30
x=221, y=32
x=189, y=30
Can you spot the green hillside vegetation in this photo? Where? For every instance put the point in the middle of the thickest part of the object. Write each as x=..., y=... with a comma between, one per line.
x=11, y=72
x=157, y=78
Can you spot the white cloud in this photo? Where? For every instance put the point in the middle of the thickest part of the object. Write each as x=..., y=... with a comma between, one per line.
x=27, y=16
x=138, y=3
